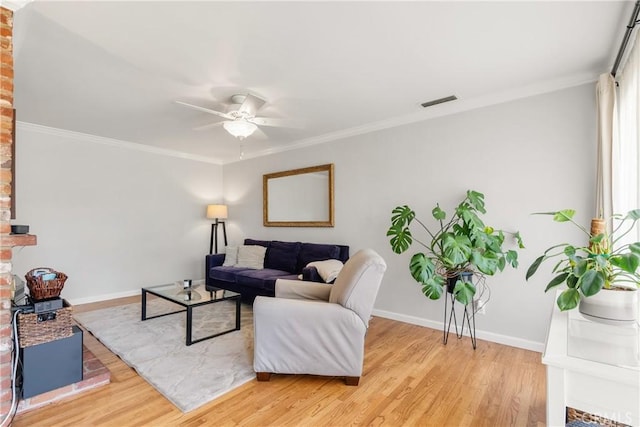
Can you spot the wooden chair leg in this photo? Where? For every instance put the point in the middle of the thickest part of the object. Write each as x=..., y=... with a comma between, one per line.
x=351, y=380
x=263, y=376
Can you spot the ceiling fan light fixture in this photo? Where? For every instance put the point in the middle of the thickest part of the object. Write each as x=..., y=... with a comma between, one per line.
x=240, y=128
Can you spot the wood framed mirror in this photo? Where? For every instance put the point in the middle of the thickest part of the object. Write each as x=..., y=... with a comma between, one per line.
x=298, y=197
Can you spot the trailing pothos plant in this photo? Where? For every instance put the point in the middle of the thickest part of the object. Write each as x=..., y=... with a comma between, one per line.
x=602, y=263
x=461, y=243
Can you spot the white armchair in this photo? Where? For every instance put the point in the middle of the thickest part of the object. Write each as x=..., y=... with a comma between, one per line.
x=318, y=329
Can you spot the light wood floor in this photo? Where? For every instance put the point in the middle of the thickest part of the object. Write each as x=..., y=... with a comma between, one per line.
x=410, y=379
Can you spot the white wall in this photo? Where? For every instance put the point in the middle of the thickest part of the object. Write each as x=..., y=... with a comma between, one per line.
x=530, y=155
x=112, y=218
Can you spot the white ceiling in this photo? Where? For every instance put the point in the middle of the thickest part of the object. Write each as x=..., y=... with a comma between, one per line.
x=114, y=69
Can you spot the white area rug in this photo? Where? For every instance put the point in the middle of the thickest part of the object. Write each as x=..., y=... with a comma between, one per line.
x=188, y=376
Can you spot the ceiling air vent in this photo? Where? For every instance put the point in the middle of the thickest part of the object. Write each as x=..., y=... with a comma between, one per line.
x=439, y=101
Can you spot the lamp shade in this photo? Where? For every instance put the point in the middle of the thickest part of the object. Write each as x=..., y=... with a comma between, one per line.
x=217, y=211
x=239, y=128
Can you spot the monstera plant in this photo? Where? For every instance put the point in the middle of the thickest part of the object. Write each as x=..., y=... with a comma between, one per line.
x=461, y=244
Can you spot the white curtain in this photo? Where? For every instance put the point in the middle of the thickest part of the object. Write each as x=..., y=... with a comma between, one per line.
x=626, y=147
x=606, y=101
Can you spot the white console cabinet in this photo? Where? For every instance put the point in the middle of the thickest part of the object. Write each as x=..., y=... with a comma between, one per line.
x=592, y=367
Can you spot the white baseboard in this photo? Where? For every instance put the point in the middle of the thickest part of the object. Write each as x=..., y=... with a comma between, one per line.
x=483, y=335
x=124, y=294
x=104, y=297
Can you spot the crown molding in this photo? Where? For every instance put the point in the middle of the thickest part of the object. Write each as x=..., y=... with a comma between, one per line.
x=449, y=108
x=441, y=110
x=114, y=142
x=14, y=5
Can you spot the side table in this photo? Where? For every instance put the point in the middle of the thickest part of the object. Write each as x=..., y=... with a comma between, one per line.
x=592, y=367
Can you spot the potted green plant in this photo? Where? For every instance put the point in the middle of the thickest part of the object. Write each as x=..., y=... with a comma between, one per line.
x=601, y=263
x=461, y=244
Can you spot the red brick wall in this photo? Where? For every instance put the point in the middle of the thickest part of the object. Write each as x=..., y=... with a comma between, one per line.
x=6, y=142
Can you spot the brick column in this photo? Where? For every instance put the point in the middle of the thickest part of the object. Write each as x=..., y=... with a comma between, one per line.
x=6, y=143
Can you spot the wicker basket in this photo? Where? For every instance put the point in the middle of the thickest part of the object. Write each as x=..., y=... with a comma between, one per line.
x=39, y=328
x=39, y=288
x=590, y=419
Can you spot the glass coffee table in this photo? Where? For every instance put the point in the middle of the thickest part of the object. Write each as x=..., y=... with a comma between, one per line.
x=189, y=298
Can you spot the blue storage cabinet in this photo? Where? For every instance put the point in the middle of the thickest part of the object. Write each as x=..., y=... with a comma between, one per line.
x=51, y=365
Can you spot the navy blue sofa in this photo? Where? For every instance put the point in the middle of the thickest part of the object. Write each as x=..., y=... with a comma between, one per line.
x=283, y=260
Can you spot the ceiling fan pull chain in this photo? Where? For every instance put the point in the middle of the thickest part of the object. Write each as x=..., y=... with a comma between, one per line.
x=241, y=150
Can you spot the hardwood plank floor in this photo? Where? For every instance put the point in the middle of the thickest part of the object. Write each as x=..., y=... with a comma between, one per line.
x=410, y=379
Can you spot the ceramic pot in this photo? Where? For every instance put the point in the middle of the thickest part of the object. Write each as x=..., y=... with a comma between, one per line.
x=613, y=306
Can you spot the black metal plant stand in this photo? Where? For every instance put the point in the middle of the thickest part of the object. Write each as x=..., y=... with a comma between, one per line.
x=468, y=316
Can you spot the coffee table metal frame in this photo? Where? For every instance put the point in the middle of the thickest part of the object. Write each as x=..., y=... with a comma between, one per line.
x=189, y=306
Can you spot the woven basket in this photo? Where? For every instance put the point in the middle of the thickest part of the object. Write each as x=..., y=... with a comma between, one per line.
x=39, y=328
x=43, y=289
x=587, y=418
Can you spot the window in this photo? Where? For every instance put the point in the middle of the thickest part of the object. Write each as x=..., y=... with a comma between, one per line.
x=626, y=147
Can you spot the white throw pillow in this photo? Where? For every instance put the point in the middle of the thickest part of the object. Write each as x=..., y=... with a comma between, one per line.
x=327, y=269
x=231, y=256
x=251, y=256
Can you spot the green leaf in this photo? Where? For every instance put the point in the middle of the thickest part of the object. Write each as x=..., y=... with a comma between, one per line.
x=502, y=262
x=402, y=216
x=486, y=263
x=559, y=279
x=512, y=258
x=519, y=239
x=580, y=267
x=421, y=267
x=591, y=282
x=456, y=249
x=635, y=248
x=471, y=219
x=627, y=262
x=476, y=200
x=438, y=213
x=634, y=214
x=401, y=238
x=568, y=299
x=483, y=241
x=496, y=242
x=601, y=260
x=457, y=229
x=534, y=266
x=572, y=281
x=597, y=239
x=432, y=289
x=570, y=252
x=464, y=291
x=564, y=215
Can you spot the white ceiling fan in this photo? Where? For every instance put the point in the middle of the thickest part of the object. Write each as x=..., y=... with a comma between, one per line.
x=241, y=116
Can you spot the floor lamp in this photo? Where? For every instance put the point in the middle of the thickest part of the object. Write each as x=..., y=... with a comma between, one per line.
x=217, y=212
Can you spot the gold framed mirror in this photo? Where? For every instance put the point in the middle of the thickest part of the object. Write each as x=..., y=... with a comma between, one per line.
x=298, y=197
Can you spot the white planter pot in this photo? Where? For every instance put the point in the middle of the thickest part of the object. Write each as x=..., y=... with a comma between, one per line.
x=611, y=306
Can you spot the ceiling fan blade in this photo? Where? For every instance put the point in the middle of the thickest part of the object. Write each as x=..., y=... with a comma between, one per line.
x=206, y=110
x=251, y=105
x=259, y=135
x=208, y=126
x=264, y=121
